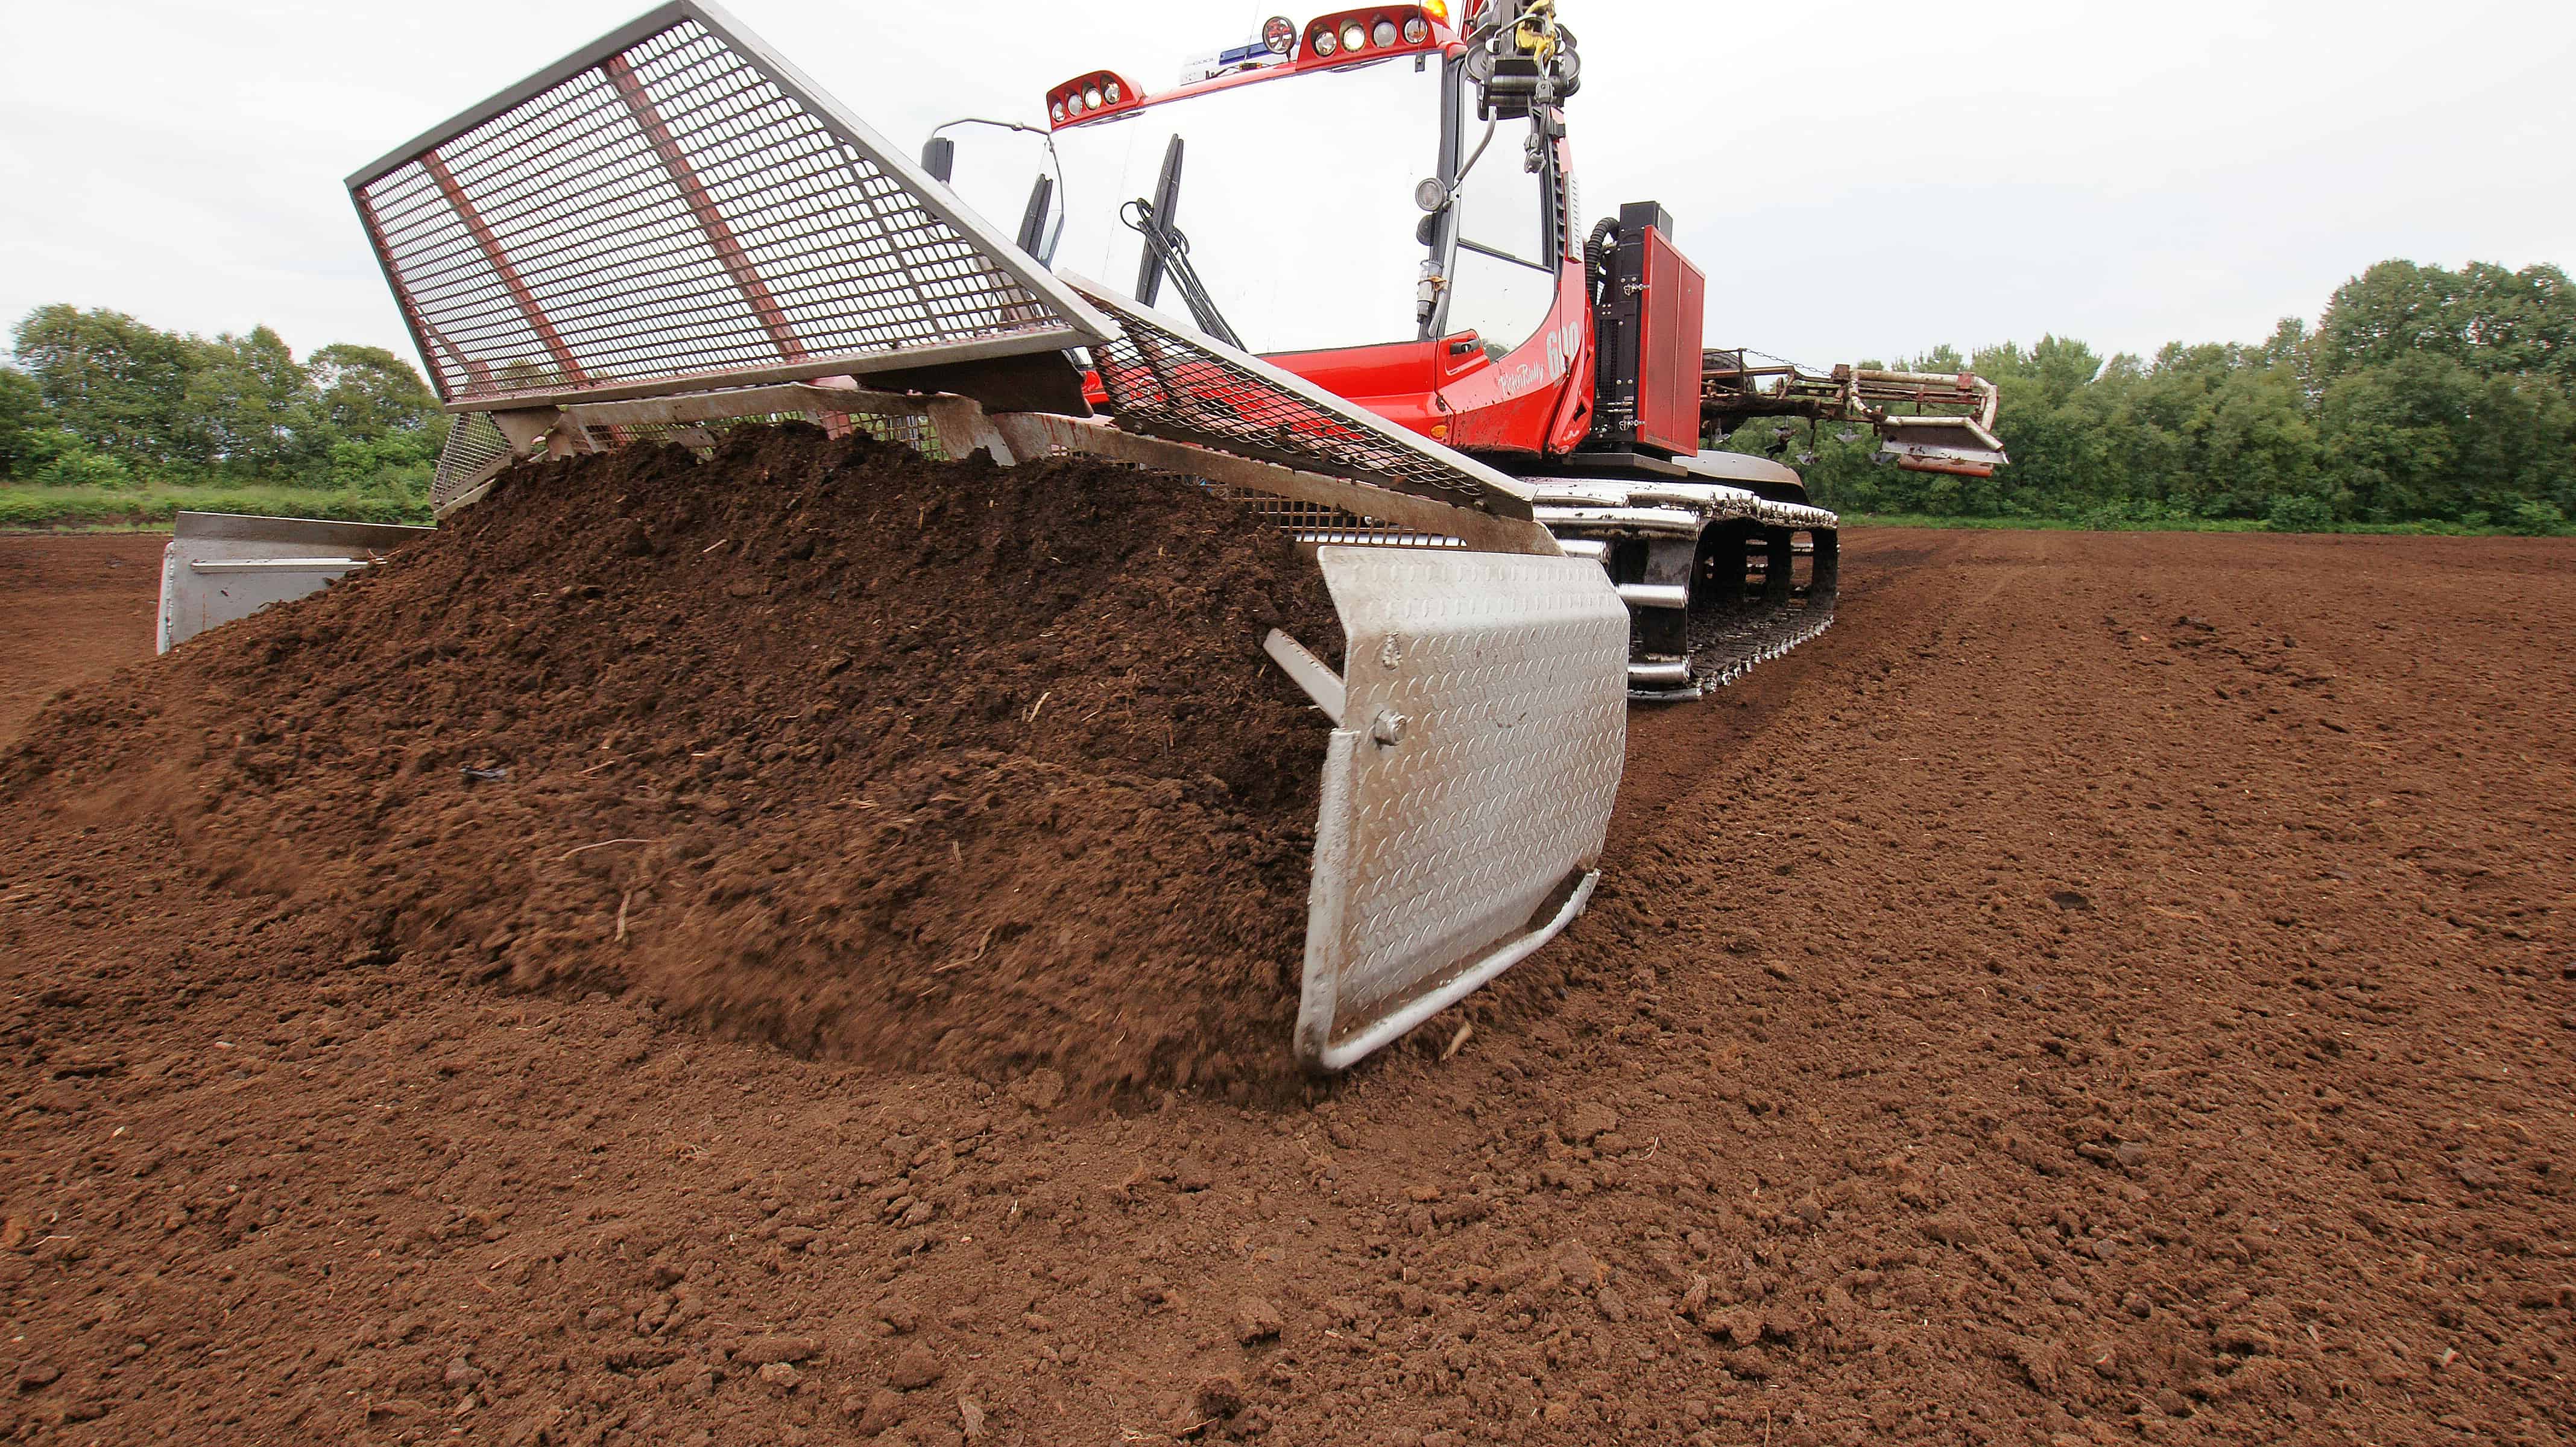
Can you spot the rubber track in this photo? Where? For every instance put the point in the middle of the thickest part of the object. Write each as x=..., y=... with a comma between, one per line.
x=1727, y=643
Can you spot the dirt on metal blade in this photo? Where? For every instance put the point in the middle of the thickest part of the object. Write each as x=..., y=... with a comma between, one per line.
x=818, y=743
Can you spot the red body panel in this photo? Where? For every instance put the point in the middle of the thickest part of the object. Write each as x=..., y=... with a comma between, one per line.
x=1527, y=401
x=1396, y=381
x=1536, y=400
x=1669, y=350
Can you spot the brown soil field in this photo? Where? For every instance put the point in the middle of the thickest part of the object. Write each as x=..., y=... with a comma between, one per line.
x=73, y=607
x=2110, y=987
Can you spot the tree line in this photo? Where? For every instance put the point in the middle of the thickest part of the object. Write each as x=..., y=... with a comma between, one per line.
x=99, y=399
x=2421, y=396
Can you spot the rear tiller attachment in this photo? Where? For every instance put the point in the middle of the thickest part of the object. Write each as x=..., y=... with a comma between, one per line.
x=1926, y=421
x=674, y=229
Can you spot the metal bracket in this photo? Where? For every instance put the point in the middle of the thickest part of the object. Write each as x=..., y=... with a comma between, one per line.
x=1308, y=672
x=965, y=428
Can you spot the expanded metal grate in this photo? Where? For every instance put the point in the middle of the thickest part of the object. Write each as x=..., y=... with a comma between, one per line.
x=677, y=203
x=913, y=432
x=474, y=444
x=1318, y=525
x=1165, y=380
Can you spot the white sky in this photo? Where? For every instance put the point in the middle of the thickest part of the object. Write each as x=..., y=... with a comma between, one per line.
x=1861, y=178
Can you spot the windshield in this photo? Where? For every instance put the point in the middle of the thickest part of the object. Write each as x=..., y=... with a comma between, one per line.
x=1296, y=195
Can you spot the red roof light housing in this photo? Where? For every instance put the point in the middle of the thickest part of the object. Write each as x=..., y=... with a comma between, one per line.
x=1351, y=36
x=1102, y=92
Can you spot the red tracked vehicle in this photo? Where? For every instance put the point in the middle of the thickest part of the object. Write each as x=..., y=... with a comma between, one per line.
x=1402, y=347
x=1383, y=201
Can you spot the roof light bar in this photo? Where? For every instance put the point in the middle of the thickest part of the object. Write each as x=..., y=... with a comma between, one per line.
x=1338, y=39
x=1350, y=35
x=1086, y=96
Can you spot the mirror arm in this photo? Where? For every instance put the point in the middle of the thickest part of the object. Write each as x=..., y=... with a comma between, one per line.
x=1491, y=127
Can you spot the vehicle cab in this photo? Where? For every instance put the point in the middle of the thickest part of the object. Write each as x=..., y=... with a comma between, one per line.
x=1346, y=198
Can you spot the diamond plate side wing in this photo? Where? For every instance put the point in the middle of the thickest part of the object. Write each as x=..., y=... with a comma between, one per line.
x=677, y=204
x=1468, y=794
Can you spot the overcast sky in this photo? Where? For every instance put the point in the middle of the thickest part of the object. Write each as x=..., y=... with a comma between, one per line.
x=1859, y=179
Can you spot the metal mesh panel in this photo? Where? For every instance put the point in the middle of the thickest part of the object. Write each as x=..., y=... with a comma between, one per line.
x=680, y=208
x=1315, y=524
x=473, y=445
x=1165, y=380
x=912, y=432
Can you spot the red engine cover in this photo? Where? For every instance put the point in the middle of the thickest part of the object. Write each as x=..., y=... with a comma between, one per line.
x=1668, y=357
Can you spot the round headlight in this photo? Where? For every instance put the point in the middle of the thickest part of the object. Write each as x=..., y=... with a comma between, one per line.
x=1416, y=31
x=1323, y=43
x=1073, y=104
x=1059, y=110
x=1354, y=36
x=1091, y=98
x=1384, y=35
x=1279, y=35
x=1113, y=92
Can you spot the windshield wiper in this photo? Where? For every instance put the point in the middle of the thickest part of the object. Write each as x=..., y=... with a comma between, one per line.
x=1167, y=251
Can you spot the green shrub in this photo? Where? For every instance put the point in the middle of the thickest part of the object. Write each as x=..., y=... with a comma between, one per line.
x=2299, y=513
x=2138, y=514
x=54, y=507
x=80, y=467
x=2535, y=519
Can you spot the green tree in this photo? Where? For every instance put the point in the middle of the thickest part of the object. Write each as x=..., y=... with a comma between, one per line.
x=119, y=386
x=105, y=399
x=2522, y=323
x=251, y=407
x=368, y=393
x=23, y=419
x=2425, y=437
x=2259, y=444
x=2491, y=320
x=2392, y=311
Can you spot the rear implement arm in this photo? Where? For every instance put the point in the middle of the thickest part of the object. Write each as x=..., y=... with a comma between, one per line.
x=1958, y=440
